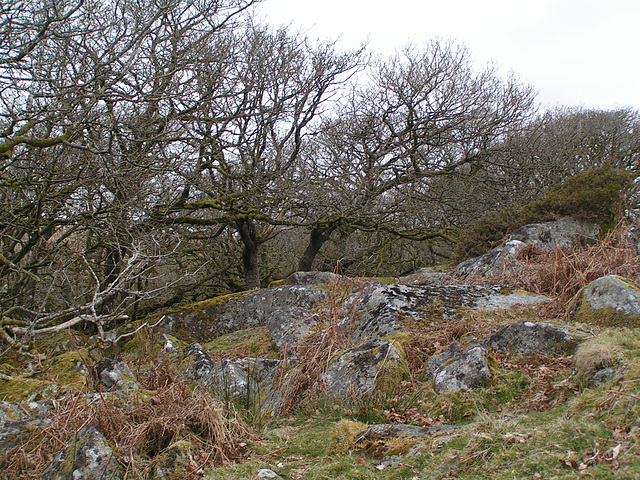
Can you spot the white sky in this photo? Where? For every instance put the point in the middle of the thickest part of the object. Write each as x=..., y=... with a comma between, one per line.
x=578, y=53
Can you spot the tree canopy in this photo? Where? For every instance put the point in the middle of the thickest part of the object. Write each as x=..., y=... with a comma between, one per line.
x=155, y=152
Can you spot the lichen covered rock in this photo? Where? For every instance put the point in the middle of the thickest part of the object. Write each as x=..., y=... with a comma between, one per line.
x=610, y=301
x=86, y=457
x=380, y=310
x=563, y=233
x=460, y=367
x=376, y=364
x=529, y=337
x=204, y=321
x=290, y=326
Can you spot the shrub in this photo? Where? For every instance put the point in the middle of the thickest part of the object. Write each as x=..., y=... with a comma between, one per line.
x=595, y=195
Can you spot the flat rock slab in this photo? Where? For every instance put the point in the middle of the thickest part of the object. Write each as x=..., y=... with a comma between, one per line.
x=380, y=310
x=204, y=321
x=529, y=337
x=385, y=431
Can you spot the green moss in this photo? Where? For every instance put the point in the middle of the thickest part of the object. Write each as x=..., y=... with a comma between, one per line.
x=60, y=342
x=252, y=342
x=205, y=304
x=390, y=375
x=69, y=368
x=26, y=389
x=605, y=317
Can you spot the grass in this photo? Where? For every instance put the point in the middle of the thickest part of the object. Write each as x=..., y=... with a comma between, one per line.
x=541, y=417
x=537, y=420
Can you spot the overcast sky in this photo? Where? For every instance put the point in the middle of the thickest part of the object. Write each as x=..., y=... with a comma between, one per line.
x=578, y=53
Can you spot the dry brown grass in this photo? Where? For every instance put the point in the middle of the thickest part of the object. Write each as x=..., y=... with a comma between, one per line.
x=139, y=431
x=315, y=352
x=561, y=273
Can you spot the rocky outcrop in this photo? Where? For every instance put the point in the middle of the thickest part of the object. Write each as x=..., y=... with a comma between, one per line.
x=529, y=337
x=87, y=457
x=460, y=367
x=380, y=310
x=360, y=370
x=563, y=233
x=610, y=301
x=204, y=321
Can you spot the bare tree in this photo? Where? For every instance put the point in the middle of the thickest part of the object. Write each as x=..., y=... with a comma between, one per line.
x=93, y=94
x=248, y=170
x=423, y=115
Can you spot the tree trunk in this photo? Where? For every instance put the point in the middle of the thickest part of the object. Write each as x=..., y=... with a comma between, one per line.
x=250, y=241
x=317, y=239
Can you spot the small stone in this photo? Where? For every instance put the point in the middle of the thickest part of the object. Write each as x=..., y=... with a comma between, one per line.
x=267, y=473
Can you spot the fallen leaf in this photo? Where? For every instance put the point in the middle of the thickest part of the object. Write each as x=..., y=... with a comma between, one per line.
x=613, y=453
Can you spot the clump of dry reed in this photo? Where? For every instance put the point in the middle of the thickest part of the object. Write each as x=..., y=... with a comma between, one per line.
x=140, y=431
x=562, y=273
x=313, y=354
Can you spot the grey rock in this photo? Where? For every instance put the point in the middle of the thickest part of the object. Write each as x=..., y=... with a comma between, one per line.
x=529, y=337
x=424, y=276
x=290, y=326
x=633, y=238
x=312, y=278
x=460, y=368
x=605, y=375
x=611, y=300
x=261, y=370
x=360, y=370
x=17, y=424
x=113, y=373
x=169, y=347
x=203, y=364
x=211, y=319
x=86, y=457
x=225, y=377
x=232, y=381
x=380, y=310
x=564, y=233
x=267, y=473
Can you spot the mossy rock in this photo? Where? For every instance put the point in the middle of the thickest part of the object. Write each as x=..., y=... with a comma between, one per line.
x=27, y=389
x=610, y=301
x=373, y=366
x=69, y=368
x=252, y=342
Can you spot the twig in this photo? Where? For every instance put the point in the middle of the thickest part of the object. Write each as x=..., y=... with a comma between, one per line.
x=67, y=324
